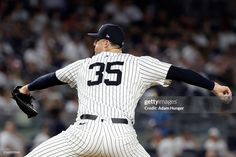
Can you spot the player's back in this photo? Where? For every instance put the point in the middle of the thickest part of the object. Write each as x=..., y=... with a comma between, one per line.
x=110, y=84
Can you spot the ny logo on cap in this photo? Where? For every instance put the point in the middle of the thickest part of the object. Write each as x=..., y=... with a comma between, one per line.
x=107, y=36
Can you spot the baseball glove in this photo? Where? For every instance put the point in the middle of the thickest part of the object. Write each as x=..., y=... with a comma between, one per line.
x=24, y=102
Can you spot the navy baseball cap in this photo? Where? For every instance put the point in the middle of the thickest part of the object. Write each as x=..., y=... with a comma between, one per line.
x=111, y=32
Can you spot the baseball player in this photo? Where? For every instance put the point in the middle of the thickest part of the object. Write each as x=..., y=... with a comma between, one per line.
x=109, y=85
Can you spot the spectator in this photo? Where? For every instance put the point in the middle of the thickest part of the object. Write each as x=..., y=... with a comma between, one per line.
x=42, y=136
x=10, y=141
x=20, y=14
x=72, y=105
x=166, y=147
x=75, y=49
x=39, y=21
x=215, y=144
x=185, y=142
x=7, y=105
x=156, y=138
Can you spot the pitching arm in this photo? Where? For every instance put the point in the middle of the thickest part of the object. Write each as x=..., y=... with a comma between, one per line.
x=190, y=77
x=193, y=78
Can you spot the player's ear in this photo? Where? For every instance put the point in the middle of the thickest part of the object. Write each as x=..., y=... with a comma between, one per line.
x=107, y=43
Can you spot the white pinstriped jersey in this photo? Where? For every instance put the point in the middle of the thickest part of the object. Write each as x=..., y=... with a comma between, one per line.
x=110, y=84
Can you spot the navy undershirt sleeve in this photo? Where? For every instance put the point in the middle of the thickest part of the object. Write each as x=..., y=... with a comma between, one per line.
x=45, y=81
x=190, y=77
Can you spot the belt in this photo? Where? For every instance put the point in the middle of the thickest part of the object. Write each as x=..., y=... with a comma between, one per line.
x=94, y=117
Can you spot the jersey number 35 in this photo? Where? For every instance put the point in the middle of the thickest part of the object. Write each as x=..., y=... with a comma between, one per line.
x=108, y=68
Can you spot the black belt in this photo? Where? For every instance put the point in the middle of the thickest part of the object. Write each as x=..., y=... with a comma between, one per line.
x=94, y=117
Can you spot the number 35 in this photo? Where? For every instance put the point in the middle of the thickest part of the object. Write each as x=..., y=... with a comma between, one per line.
x=100, y=71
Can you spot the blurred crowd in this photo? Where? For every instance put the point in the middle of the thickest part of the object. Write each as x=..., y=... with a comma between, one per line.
x=41, y=36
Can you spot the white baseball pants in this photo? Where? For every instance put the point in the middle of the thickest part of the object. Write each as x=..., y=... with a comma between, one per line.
x=93, y=138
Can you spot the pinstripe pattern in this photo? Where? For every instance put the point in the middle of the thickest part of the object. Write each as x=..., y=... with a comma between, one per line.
x=101, y=93
x=105, y=139
x=54, y=147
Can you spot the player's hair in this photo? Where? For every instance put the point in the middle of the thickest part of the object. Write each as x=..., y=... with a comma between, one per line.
x=115, y=45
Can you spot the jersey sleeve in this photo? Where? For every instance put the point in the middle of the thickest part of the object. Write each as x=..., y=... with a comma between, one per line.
x=153, y=72
x=69, y=73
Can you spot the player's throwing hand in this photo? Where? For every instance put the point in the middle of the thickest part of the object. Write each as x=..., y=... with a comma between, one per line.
x=223, y=92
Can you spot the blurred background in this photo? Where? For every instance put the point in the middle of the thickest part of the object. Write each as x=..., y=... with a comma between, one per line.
x=41, y=36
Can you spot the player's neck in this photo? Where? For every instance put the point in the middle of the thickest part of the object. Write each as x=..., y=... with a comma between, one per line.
x=110, y=50
x=114, y=50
